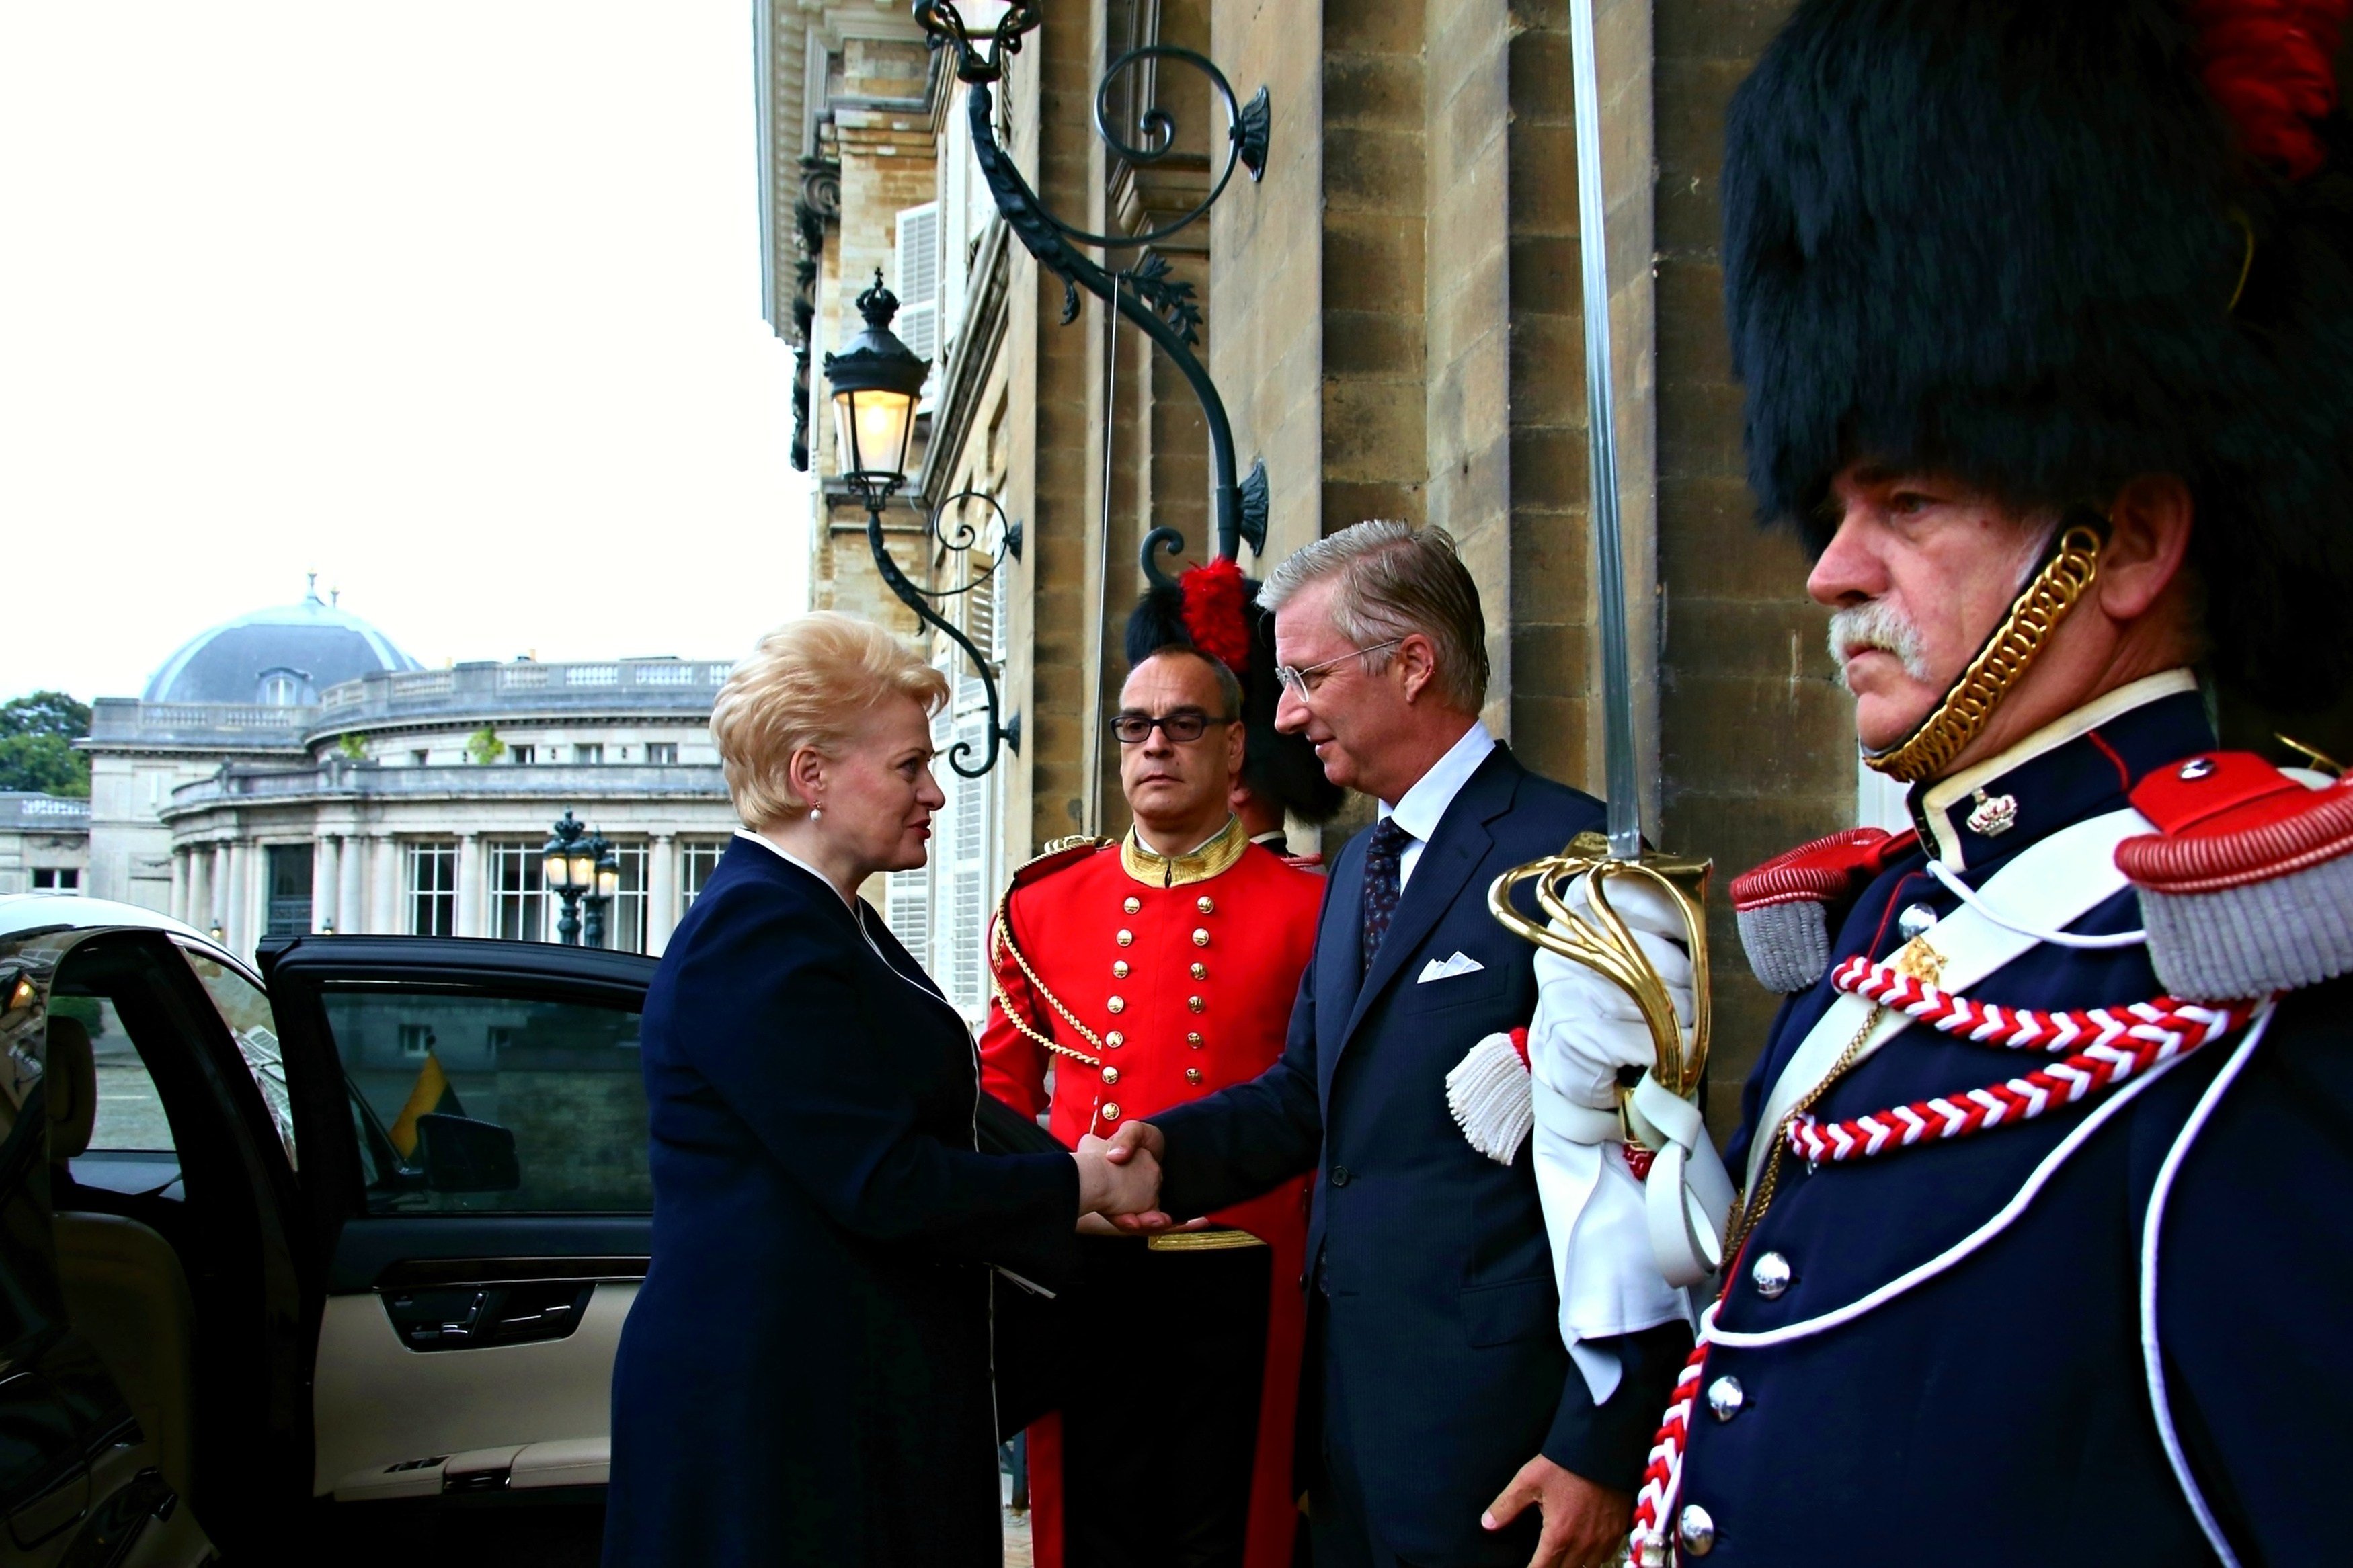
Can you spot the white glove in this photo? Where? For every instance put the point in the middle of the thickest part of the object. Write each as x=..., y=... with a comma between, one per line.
x=1596, y=1214
x=1585, y=1028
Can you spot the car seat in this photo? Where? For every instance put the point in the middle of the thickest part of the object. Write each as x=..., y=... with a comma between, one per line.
x=125, y=1290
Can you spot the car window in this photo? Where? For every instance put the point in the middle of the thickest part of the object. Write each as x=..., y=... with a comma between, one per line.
x=560, y=1078
x=130, y=1112
x=246, y=1010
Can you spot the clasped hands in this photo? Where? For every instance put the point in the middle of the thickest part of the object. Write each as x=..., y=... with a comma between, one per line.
x=1119, y=1182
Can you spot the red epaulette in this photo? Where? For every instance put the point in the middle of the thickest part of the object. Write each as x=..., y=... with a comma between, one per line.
x=1784, y=906
x=2246, y=887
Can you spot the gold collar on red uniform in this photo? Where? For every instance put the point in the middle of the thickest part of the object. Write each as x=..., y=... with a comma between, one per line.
x=1214, y=858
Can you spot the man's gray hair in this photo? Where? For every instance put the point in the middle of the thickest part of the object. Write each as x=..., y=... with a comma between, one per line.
x=1394, y=580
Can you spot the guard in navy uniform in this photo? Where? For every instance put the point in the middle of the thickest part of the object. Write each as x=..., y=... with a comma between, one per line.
x=2044, y=312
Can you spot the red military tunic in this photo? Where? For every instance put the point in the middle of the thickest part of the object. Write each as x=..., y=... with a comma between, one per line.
x=1175, y=977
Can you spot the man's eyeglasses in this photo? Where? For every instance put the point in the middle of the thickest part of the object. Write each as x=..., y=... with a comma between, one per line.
x=1185, y=724
x=1296, y=680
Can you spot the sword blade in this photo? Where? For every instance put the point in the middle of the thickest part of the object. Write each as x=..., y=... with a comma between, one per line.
x=1625, y=807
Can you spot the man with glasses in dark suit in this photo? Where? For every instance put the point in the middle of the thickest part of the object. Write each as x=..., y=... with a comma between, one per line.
x=1454, y=1426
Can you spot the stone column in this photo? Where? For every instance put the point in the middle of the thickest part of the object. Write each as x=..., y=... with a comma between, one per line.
x=662, y=891
x=473, y=878
x=235, y=905
x=215, y=911
x=383, y=857
x=326, y=882
x=350, y=878
x=179, y=904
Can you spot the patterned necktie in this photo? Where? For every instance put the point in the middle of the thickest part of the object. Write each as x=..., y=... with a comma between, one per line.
x=1383, y=854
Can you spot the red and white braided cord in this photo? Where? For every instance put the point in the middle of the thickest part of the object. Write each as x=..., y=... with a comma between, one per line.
x=2115, y=1044
x=1662, y=1477
x=2103, y=1046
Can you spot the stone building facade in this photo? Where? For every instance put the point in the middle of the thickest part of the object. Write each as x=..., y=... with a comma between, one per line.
x=44, y=842
x=293, y=771
x=1394, y=317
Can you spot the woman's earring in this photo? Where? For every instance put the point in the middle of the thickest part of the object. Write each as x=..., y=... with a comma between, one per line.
x=816, y=814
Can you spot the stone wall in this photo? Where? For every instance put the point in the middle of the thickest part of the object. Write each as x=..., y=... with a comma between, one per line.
x=1266, y=259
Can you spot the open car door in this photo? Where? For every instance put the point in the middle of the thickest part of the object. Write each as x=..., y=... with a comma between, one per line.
x=89, y=1473
x=473, y=1123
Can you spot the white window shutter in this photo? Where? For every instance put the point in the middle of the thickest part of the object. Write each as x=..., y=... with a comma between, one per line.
x=969, y=850
x=909, y=911
x=918, y=325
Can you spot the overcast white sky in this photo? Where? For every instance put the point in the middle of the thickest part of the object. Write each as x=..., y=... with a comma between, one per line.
x=455, y=302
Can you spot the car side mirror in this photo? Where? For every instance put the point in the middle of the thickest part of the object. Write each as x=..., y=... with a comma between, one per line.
x=462, y=1156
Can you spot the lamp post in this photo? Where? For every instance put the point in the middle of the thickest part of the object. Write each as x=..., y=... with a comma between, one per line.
x=875, y=382
x=569, y=869
x=598, y=898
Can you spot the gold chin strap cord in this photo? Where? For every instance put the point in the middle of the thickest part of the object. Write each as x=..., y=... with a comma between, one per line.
x=2006, y=656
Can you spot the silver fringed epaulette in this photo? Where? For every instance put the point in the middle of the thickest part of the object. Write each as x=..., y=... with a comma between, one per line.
x=2246, y=888
x=1783, y=906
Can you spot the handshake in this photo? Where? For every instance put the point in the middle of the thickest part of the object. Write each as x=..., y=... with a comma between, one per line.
x=1119, y=1181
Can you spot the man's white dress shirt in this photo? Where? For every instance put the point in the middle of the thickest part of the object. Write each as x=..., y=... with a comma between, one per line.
x=1424, y=805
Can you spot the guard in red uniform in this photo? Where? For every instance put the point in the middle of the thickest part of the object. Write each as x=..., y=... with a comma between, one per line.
x=1131, y=976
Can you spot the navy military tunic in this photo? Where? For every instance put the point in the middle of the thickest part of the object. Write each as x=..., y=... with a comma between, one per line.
x=2000, y=1411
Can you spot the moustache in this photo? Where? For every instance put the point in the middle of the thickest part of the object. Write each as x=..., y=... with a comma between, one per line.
x=1877, y=624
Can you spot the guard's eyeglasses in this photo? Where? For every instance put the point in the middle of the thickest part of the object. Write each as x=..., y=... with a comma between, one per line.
x=1185, y=724
x=1294, y=680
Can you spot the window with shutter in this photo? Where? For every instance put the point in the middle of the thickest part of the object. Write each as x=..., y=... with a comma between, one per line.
x=907, y=911
x=968, y=895
x=918, y=323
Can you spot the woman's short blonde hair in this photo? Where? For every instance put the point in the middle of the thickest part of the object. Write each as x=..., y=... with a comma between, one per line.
x=811, y=682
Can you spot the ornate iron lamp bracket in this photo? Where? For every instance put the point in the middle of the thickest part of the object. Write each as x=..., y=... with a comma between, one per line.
x=1163, y=307
x=920, y=600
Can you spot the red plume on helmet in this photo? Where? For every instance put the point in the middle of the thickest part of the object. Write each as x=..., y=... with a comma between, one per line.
x=1214, y=596
x=2272, y=65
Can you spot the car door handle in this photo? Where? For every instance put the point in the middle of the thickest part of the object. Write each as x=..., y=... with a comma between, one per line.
x=479, y=1317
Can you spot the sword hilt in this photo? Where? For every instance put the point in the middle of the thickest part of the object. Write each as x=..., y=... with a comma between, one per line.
x=1605, y=943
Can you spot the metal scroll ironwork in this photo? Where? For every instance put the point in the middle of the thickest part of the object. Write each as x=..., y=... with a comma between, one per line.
x=1163, y=307
x=961, y=541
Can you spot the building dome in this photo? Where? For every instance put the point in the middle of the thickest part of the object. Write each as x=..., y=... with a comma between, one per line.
x=282, y=658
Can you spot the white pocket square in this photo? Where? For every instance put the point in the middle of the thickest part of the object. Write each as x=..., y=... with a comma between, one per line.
x=1461, y=964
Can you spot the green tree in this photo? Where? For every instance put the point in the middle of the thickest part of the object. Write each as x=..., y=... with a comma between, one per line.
x=484, y=746
x=37, y=736
x=353, y=745
x=44, y=714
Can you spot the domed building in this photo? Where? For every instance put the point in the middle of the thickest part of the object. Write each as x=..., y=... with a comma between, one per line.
x=280, y=658
x=294, y=770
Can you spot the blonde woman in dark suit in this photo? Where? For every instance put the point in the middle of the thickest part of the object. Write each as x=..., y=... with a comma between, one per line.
x=806, y=1376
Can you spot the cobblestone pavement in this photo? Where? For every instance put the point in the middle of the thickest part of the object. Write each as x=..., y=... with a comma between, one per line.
x=1016, y=1538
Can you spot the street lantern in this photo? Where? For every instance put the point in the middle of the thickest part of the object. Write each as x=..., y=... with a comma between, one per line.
x=568, y=866
x=875, y=381
x=603, y=879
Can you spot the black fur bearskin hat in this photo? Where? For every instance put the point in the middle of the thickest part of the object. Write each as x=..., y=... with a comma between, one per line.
x=2048, y=245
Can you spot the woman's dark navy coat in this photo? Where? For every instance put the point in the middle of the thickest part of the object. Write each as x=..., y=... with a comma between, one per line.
x=805, y=1377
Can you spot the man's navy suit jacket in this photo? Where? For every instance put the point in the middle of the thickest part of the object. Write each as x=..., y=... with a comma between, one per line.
x=1442, y=1327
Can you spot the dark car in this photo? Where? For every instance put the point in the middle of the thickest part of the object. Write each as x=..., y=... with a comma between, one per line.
x=324, y=1262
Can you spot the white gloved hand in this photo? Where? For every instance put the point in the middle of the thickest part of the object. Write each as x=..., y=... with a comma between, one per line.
x=1584, y=1028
